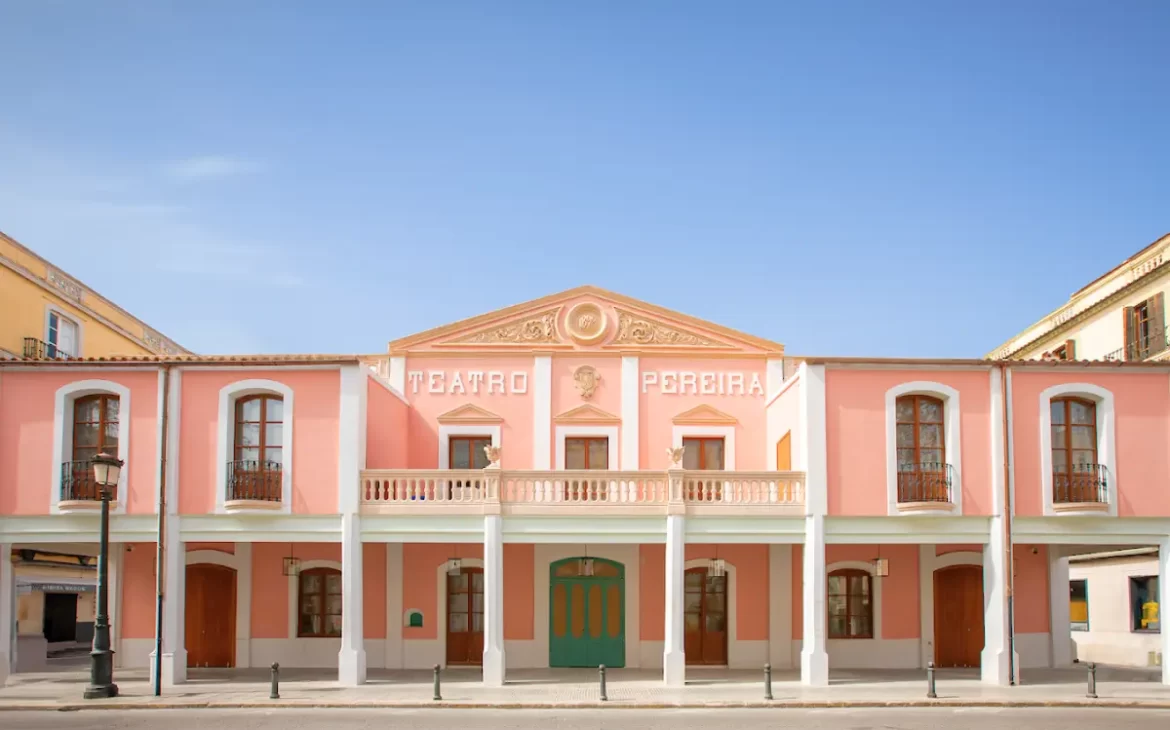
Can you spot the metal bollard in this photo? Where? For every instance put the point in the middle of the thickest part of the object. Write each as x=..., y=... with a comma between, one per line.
x=437, y=694
x=274, y=694
x=601, y=678
x=930, y=693
x=1092, y=693
x=767, y=681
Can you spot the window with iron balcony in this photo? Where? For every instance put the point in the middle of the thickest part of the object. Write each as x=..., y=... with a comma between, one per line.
x=924, y=476
x=255, y=473
x=95, y=431
x=1077, y=476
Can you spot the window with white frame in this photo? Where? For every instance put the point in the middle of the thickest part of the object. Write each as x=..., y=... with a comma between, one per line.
x=1077, y=449
x=923, y=448
x=61, y=337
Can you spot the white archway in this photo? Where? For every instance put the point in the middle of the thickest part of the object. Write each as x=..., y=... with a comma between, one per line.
x=63, y=402
x=929, y=561
x=441, y=601
x=952, y=439
x=294, y=590
x=241, y=562
x=1106, y=439
x=224, y=436
x=734, y=651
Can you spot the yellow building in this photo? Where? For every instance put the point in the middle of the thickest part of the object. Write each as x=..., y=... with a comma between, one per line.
x=45, y=312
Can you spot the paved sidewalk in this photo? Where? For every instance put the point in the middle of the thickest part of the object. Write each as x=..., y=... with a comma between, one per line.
x=58, y=690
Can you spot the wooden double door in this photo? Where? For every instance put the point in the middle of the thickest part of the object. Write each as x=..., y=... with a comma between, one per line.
x=958, y=616
x=587, y=615
x=465, y=616
x=705, y=617
x=211, y=616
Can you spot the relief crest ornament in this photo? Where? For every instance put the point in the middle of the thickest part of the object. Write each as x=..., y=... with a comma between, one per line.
x=537, y=329
x=635, y=329
x=586, y=323
x=676, y=456
x=587, y=379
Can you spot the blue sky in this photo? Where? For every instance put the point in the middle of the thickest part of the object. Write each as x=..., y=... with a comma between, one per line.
x=850, y=178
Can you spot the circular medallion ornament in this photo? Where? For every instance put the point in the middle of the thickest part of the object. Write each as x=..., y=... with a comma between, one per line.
x=586, y=323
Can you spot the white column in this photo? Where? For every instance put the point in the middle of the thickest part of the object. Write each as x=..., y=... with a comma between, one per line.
x=351, y=660
x=7, y=612
x=174, y=658
x=1058, y=621
x=780, y=606
x=244, y=605
x=394, y=608
x=996, y=656
x=814, y=658
x=1164, y=604
x=351, y=450
x=542, y=412
x=493, y=601
x=630, y=420
x=674, y=662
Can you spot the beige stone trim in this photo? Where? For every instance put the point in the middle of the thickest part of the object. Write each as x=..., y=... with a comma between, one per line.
x=469, y=413
x=587, y=414
x=704, y=415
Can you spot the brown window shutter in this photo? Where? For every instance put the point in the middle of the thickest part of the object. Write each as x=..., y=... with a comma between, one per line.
x=1070, y=349
x=1157, y=307
x=1130, y=334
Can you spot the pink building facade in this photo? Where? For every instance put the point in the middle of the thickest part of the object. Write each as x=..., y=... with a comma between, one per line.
x=589, y=479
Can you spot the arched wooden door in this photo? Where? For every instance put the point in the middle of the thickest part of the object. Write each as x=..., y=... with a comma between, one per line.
x=587, y=619
x=958, y=616
x=465, y=616
x=705, y=617
x=211, y=616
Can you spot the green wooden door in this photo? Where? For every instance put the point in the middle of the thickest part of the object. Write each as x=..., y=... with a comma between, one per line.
x=587, y=615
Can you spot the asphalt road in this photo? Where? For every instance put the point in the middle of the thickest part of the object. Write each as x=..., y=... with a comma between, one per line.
x=742, y=719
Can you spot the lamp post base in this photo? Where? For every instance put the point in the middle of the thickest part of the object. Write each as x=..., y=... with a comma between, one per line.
x=101, y=692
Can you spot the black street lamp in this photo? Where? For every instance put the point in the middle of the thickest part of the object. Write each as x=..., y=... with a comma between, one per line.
x=106, y=470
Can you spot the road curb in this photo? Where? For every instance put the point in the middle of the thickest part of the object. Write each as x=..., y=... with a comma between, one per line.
x=293, y=704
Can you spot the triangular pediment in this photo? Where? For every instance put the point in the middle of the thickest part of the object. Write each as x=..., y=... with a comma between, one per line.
x=704, y=415
x=587, y=414
x=586, y=317
x=469, y=413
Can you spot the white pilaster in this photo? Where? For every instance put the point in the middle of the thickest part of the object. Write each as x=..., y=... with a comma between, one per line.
x=174, y=626
x=1059, y=623
x=394, y=608
x=780, y=606
x=996, y=656
x=630, y=399
x=493, y=601
x=773, y=375
x=351, y=660
x=7, y=612
x=117, y=556
x=812, y=457
x=814, y=658
x=1164, y=603
x=542, y=412
x=243, y=605
x=397, y=374
x=674, y=662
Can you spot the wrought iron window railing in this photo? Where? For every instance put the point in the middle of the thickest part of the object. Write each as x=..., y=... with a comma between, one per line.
x=925, y=482
x=1084, y=484
x=257, y=481
x=1142, y=347
x=35, y=349
x=77, y=482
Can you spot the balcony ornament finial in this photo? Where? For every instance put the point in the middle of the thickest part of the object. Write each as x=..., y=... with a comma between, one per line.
x=493, y=455
x=676, y=456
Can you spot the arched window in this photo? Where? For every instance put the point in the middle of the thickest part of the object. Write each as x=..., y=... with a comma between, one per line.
x=922, y=455
x=1076, y=474
x=95, y=431
x=319, y=603
x=257, y=464
x=850, y=604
